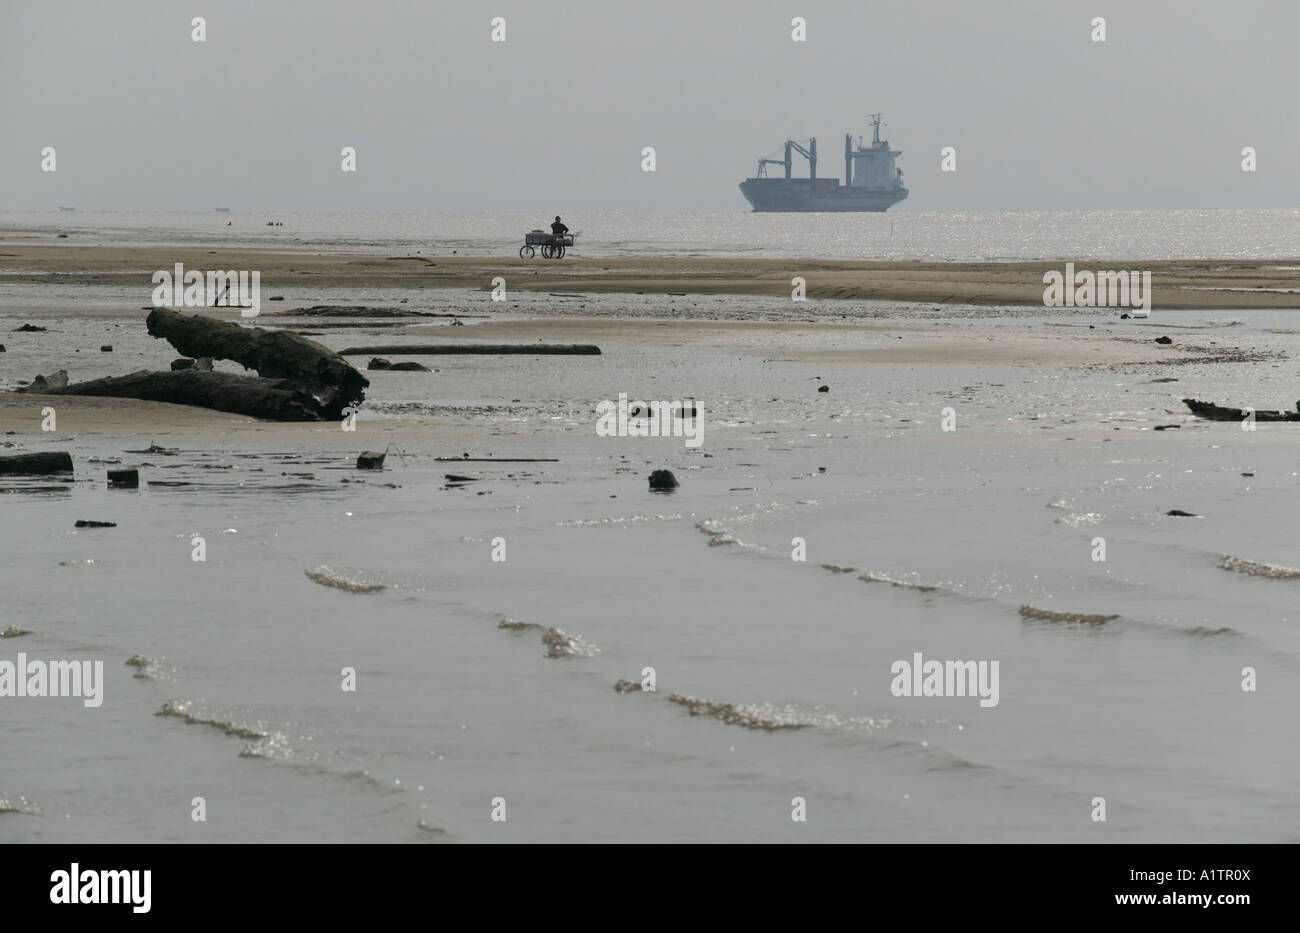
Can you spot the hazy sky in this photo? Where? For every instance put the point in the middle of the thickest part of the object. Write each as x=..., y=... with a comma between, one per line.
x=554, y=119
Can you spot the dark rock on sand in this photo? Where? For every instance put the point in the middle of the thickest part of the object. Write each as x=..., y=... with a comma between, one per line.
x=370, y=460
x=29, y=329
x=106, y=348
x=124, y=479
x=823, y=388
x=1165, y=340
x=410, y=366
x=84, y=523
x=1179, y=513
x=379, y=362
x=663, y=479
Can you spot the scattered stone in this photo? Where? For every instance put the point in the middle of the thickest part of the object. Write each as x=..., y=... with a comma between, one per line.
x=1125, y=316
x=379, y=362
x=370, y=460
x=29, y=329
x=84, y=523
x=277, y=298
x=1247, y=474
x=124, y=479
x=627, y=686
x=106, y=348
x=14, y=631
x=663, y=479
x=823, y=388
x=1165, y=340
x=1179, y=513
x=1166, y=427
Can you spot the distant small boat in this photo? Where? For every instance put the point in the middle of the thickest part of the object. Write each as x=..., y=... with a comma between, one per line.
x=67, y=208
x=223, y=210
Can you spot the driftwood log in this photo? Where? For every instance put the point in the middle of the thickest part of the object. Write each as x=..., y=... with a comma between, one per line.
x=1212, y=412
x=396, y=349
x=274, y=355
x=274, y=399
x=36, y=464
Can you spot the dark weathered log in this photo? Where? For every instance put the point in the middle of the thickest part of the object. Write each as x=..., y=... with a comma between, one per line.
x=272, y=354
x=36, y=464
x=1212, y=412
x=274, y=399
x=572, y=349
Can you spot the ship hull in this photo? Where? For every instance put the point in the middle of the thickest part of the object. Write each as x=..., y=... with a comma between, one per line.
x=779, y=195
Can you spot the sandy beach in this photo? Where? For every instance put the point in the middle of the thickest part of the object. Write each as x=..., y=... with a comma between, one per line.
x=951, y=467
x=1176, y=283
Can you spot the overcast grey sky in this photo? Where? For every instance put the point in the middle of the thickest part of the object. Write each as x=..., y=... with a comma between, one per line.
x=554, y=118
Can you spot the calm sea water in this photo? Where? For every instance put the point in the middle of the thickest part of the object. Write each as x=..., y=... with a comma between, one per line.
x=969, y=237
x=917, y=540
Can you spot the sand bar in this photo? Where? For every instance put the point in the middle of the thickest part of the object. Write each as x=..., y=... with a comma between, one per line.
x=1176, y=283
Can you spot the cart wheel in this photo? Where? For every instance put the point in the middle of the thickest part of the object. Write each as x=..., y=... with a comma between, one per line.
x=559, y=252
x=546, y=251
x=526, y=252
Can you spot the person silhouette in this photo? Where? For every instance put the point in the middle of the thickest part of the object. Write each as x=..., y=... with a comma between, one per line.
x=557, y=228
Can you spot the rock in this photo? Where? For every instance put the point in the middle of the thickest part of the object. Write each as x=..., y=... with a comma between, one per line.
x=124, y=479
x=29, y=329
x=182, y=363
x=379, y=362
x=2, y=348
x=36, y=464
x=1165, y=340
x=57, y=380
x=823, y=388
x=663, y=479
x=1125, y=316
x=409, y=366
x=84, y=523
x=1179, y=513
x=106, y=348
x=203, y=364
x=1166, y=427
x=370, y=460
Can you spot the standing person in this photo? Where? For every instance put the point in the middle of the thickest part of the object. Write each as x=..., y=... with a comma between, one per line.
x=557, y=228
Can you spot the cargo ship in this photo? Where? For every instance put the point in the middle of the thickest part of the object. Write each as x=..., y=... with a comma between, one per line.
x=871, y=180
